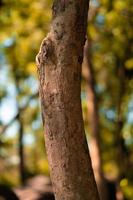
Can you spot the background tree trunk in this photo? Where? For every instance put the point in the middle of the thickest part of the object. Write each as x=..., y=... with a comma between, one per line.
x=59, y=66
x=95, y=150
x=21, y=151
x=21, y=155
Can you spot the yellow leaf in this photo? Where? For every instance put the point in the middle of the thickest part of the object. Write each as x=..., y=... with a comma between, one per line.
x=124, y=182
x=129, y=64
x=31, y=68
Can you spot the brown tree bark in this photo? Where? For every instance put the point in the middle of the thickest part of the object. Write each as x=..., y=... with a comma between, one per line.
x=95, y=150
x=59, y=67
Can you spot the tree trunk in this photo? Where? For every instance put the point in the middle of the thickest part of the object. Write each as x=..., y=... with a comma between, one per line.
x=59, y=66
x=21, y=166
x=122, y=153
x=21, y=152
x=95, y=151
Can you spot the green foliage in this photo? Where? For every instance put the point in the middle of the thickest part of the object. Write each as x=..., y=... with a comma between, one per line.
x=23, y=26
x=111, y=36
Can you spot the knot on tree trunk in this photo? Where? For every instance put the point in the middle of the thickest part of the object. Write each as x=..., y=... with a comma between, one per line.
x=46, y=53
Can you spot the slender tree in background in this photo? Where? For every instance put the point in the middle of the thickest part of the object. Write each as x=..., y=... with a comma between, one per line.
x=95, y=150
x=21, y=152
x=59, y=67
x=21, y=132
x=123, y=154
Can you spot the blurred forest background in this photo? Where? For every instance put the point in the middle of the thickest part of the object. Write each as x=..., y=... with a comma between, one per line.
x=107, y=89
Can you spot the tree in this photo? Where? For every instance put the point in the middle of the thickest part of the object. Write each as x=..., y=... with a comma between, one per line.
x=59, y=67
x=95, y=149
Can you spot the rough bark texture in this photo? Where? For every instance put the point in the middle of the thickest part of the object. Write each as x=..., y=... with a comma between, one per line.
x=95, y=151
x=59, y=66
